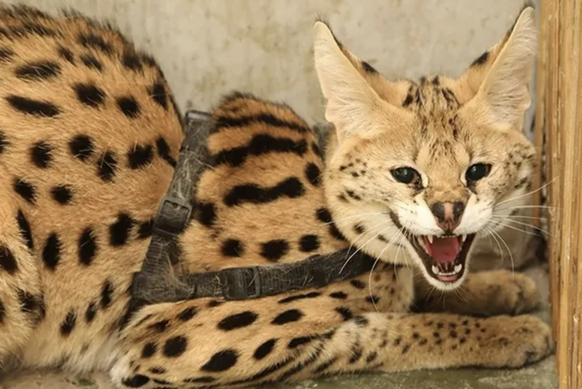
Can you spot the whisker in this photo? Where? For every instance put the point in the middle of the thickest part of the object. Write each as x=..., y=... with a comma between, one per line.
x=517, y=229
x=525, y=224
x=364, y=245
x=508, y=250
x=374, y=266
x=529, y=193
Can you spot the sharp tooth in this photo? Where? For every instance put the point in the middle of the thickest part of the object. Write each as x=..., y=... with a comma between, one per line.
x=430, y=238
x=435, y=269
x=458, y=268
x=463, y=238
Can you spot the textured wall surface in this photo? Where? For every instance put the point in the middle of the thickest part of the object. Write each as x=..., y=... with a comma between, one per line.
x=208, y=47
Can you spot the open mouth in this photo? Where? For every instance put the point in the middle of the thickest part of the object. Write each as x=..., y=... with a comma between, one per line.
x=444, y=257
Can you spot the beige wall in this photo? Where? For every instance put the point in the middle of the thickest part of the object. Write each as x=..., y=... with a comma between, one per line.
x=208, y=47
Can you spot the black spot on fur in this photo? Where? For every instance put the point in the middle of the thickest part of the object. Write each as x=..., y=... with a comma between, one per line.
x=32, y=107
x=313, y=174
x=260, y=144
x=361, y=321
x=68, y=325
x=174, y=347
x=91, y=62
x=51, y=252
x=481, y=60
x=372, y=357
x=338, y=295
x=93, y=41
x=7, y=260
x=148, y=350
x=36, y=71
x=232, y=248
x=158, y=370
x=221, y=361
x=2, y=312
x=62, y=194
x=136, y=381
x=129, y=106
x=296, y=342
x=41, y=154
x=158, y=93
x=289, y=316
x=358, y=284
x=25, y=230
x=239, y=320
x=140, y=156
x=26, y=190
x=164, y=151
x=119, y=231
x=89, y=94
x=296, y=297
x=274, y=250
x=3, y=142
x=206, y=214
x=6, y=54
x=145, y=229
x=106, y=166
x=265, y=119
x=106, y=294
x=324, y=215
x=373, y=299
x=359, y=229
x=408, y=100
x=264, y=349
x=82, y=147
x=87, y=246
x=28, y=303
x=254, y=194
x=91, y=312
x=308, y=243
x=345, y=313
x=66, y=54
x=132, y=61
x=188, y=313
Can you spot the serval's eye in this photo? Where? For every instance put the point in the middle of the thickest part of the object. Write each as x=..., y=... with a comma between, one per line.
x=477, y=172
x=405, y=175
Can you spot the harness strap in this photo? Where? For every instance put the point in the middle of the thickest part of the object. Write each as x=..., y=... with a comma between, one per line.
x=155, y=282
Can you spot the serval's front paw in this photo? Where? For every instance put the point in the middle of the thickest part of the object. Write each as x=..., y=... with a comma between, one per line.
x=509, y=293
x=513, y=342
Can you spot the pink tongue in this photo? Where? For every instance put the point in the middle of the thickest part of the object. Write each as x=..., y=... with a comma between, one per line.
x=443, y=250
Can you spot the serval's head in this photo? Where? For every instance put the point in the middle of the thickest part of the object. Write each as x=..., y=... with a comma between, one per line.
x=418, y=169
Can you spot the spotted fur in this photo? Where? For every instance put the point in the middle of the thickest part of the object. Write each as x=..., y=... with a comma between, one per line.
x=89, y=137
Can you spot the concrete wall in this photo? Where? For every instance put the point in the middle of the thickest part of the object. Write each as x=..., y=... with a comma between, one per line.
x=208, y=47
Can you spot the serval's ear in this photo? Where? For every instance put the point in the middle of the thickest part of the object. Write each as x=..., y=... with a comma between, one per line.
x=500, y=77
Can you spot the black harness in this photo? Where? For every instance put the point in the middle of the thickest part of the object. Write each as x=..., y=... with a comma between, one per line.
x=156, y=283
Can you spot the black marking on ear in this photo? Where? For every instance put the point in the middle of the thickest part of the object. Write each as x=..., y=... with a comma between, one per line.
x=368, y=68
x=92, y=41
x=91, y=62
x=254, y=194
x=32, y=107
x=482, y=59
x=260, y=144
x=39, y=70
x=89, y=94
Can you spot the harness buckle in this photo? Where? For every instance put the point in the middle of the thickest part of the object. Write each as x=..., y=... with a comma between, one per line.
x=173, y=216
x=241, y=283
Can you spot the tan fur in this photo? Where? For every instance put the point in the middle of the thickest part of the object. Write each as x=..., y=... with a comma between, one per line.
x=64, y=293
